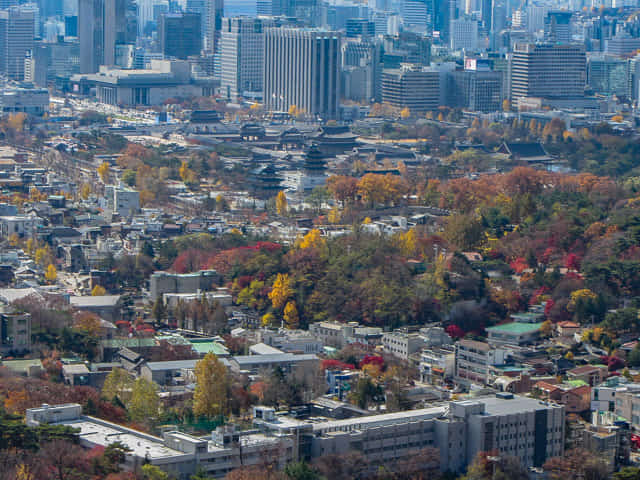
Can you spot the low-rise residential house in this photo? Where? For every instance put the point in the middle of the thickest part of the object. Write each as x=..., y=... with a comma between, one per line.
x=15, y=332
x=437, y=364
x=591, y=374
x=604, y=395
x=105, y=306
x=567, y=329
x=575, y=396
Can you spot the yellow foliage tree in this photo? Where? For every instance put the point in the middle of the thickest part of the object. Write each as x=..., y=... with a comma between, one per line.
x=98, y=291
x=85, y=191
x=506, y=105
x=281, y=291
x=51, y=274
x=16, y=121
x=407, y=242
x=546, y=328
x=281, y=203
x=405, y=113
x=103, y=171
x=313, y=239
x=14, y=239
x=212, y=385
x=291, y=318
x=366, y=221
x=184, y=171
x=268, y=319
x=334, y=215
x=29, y=246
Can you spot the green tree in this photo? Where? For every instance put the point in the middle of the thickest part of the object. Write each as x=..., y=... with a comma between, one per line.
x=627, y=473
x=159, y=310
x=152, y=472
x=212, y=385
x=118, y=385
x=129, y=177
x=301, y=471
x=144, y=403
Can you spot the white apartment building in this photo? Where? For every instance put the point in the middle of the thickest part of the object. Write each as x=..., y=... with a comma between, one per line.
x=473, y=361
x=401, y=344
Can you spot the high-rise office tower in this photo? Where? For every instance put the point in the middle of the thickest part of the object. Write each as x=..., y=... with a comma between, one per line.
x=444, y=12
x=101, y=25
x=464, y=34
x=552, y=71
x=242, y=56
x=416, y=15
x=498, y=21
x=8, y=3
x=557, y=27
x=302, y=68
x=179, y=34
x=51, y=8
x=213, y=13
x=16, y=39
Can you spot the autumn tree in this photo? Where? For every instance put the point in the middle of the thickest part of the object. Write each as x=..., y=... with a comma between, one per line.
x=281, y=291
x=98, y=291
x=118, y=384
x=313, y=239
x=103, y=171
x=291, y=318
x=88, y=323
x=343, y=188
x=212, y=385
x=51, y=274
x=576, y=463
x=145, y=402
x=281, y=203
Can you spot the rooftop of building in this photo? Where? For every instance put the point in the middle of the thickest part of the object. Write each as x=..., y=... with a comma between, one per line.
x=515, y=328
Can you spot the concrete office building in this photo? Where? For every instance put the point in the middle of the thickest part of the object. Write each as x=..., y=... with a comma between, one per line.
x=476, y=88
x=528, y=429
x=302, y=68
x=412, y=87
x=609, y=75
x=180, y=35
x=360, y=71
x=33, y=101
x=163, y=80
x=15, y=332
x=402, y=344
x=547, y=71
x=464, y=34
x=242, y=56
x=101, y=25
x=164, y=282
x=177, y=453
x=474, y=361
x=557, y=27
x=17, y=31
x=52, y=62
x=213, y=13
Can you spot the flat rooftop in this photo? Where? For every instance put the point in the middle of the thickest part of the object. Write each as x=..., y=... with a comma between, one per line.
x=142, y=445
x=518, y=404
x=371, y=421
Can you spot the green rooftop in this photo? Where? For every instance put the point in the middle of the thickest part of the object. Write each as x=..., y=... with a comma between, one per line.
x=576, y=383
x=202, y=348
x=128, y=342
x=516, y=328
